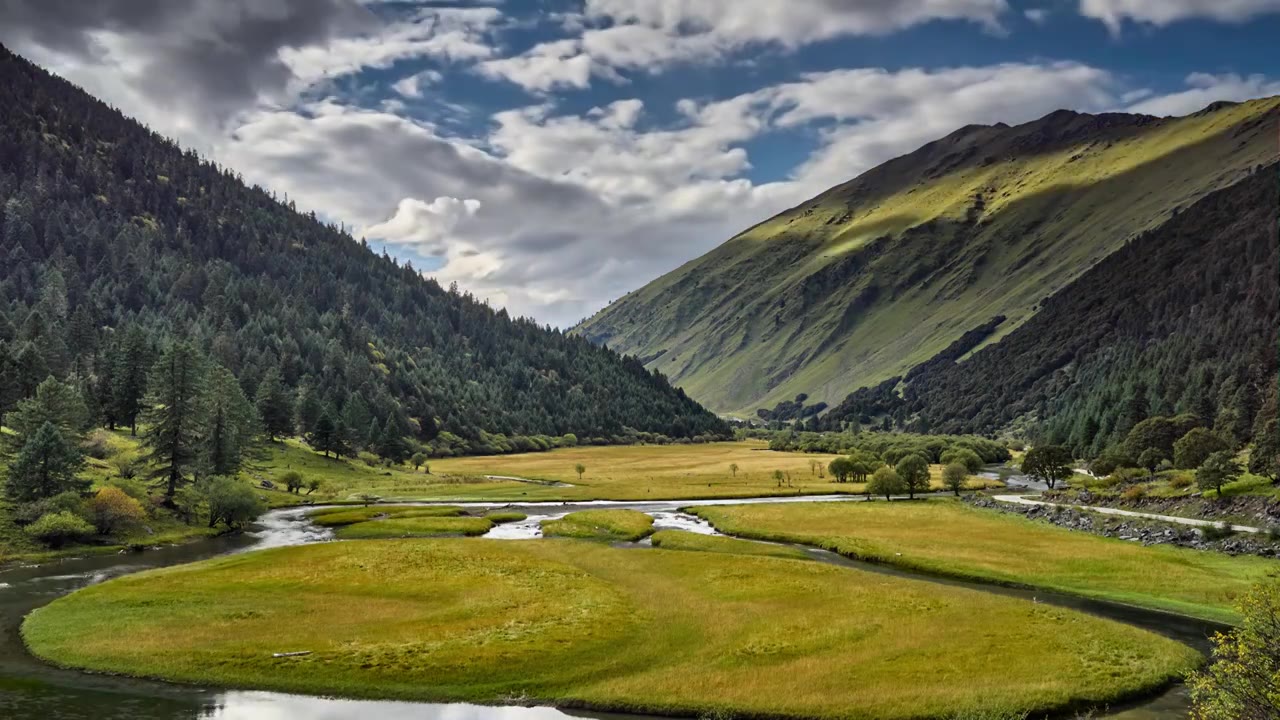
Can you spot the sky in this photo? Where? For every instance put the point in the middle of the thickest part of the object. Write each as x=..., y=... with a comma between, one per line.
x=550, y=156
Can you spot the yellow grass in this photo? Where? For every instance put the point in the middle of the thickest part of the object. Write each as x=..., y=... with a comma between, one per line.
x=678, y=632
x=951, y=538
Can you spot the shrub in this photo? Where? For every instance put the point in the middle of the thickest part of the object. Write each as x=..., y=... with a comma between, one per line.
x=1181, y=481
x=1126, y=475
x=231, y=502
x=27, y=513
x=1136, y=492
x=1219, y=531
x=292, y=481
x=99, y=445
x=111, y=510
x=60, y=528
x=127, y=464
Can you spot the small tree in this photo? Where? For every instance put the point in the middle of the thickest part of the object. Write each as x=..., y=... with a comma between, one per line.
x=1049, y=464
x=1265, y=458
x=274, y=405
x=1218, y=469
x=418, y=460
x=112, y=509
x=813, y=467
x=313, y=485
x=292, y=481
x=231, y=503
x=1150, y=459
x=954, y=476
x=913, y=470
x=1193, y=448
x=970, y=459
x=733, y=469
x=778, y=477
x=47, y=465
x=580, y=469
x=841, y=467
x=1243, y=680
x=885, y=481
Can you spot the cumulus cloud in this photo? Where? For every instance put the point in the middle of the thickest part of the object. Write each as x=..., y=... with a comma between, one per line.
x=423, y=224
x=1114, y=13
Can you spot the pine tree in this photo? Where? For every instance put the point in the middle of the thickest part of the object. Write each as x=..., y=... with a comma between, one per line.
x=391, y=444
x=355, y=418
x=324, y=434
x=232, y=424
x=274, y=405
x=48, y=464
x=175, y=415
x=130, y=364
x=308, y=410
x=54, y=402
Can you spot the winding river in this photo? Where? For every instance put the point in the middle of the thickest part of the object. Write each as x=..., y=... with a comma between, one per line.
x=32, y=690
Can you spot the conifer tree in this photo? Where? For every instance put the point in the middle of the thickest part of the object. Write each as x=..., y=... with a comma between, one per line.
x=274, y=405
x=175, y=415
x=232, y=424
x=48, y=464
x=130, y=365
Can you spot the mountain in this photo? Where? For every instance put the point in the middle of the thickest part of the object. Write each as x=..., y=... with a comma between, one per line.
x=109, y=228
x=935, y=256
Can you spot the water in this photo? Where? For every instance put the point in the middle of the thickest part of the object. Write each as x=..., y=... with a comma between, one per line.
x=31, y=690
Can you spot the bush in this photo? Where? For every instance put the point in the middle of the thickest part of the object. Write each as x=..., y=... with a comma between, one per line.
x=292, y=481
x=127, y=464
x=112, y=509
x=1126, y=475
x=1137, y=492
x=27, y=513
x=1220, y=531
x=100, y=445
x=60, y=528
x=1181, y=481
x=231, y=502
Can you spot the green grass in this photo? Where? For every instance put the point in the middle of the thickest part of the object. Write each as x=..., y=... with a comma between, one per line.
x=685, y=540
x=584, y=624
x=340, y=516
x=415, y=527
x=952, y=539
x=621, y=525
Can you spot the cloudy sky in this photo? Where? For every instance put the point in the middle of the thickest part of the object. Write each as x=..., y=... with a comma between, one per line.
x=551, y=155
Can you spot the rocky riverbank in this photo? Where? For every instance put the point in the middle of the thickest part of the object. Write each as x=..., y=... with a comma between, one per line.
x=1241, y=510
x=1147, y=532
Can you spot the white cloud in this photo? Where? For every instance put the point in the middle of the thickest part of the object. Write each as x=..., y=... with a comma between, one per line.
x=1113, y=13
x=425, y=225
x=651, y=35
x=1204, y=89
x=412, y=86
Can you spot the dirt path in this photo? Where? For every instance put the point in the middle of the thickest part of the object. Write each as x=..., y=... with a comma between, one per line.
x=1020, y=500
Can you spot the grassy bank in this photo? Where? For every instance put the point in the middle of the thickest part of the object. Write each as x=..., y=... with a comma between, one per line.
x=609, y=525
x=416, y=527
x=684, y=540
x=680, y=632
x=949, y=538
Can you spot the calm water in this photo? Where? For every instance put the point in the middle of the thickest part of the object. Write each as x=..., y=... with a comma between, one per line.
x=31, y=690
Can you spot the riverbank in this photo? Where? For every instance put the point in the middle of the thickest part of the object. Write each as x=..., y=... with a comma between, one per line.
x=584, y=624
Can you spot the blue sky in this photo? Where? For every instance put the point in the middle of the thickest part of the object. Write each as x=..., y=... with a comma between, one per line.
x=551, y=155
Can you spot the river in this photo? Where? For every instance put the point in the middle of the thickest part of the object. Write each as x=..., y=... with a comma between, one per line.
x=32, y=690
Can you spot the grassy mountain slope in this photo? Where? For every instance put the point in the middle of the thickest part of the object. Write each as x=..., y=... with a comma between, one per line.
x=880, y=274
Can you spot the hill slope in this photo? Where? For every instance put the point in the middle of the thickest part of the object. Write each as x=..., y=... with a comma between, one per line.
x=964, y=238
x=108, y=226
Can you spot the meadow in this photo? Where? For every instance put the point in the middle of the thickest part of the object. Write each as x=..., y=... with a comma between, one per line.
x=948, y=538
x=609, y=525
x=584, y=624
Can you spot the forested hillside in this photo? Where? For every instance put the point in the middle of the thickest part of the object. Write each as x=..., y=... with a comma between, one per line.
x=117, y=244
x=936, y=254
x=1183, y=320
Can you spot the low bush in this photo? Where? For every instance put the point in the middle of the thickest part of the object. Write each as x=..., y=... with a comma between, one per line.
x=59, y=528
x=1135, y=492
x=1220, y=531
x=112, y=510
x=1181, y=481
x=28, y=513
x=100, y=445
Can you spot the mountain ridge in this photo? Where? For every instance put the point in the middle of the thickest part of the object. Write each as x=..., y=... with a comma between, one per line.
x=971, y=226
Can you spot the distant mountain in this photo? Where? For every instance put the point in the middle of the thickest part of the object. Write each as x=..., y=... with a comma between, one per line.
x=930, y=258
x=109, y=226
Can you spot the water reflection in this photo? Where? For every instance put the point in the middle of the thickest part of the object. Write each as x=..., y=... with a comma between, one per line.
x=275, y=706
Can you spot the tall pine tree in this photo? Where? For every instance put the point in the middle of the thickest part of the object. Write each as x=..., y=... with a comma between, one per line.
x=175, y=415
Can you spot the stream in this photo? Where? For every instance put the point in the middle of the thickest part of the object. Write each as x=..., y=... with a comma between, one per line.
x=32, y=690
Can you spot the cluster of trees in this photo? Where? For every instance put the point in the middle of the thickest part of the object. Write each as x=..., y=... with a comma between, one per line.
x=894, y=465
x=1183, y=442
x=889, y=447
x=117, y=243
x=1182, y=320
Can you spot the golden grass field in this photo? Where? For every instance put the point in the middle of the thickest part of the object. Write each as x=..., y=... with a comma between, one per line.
x=949, y=538
x=585, y=624
x=619, y=525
